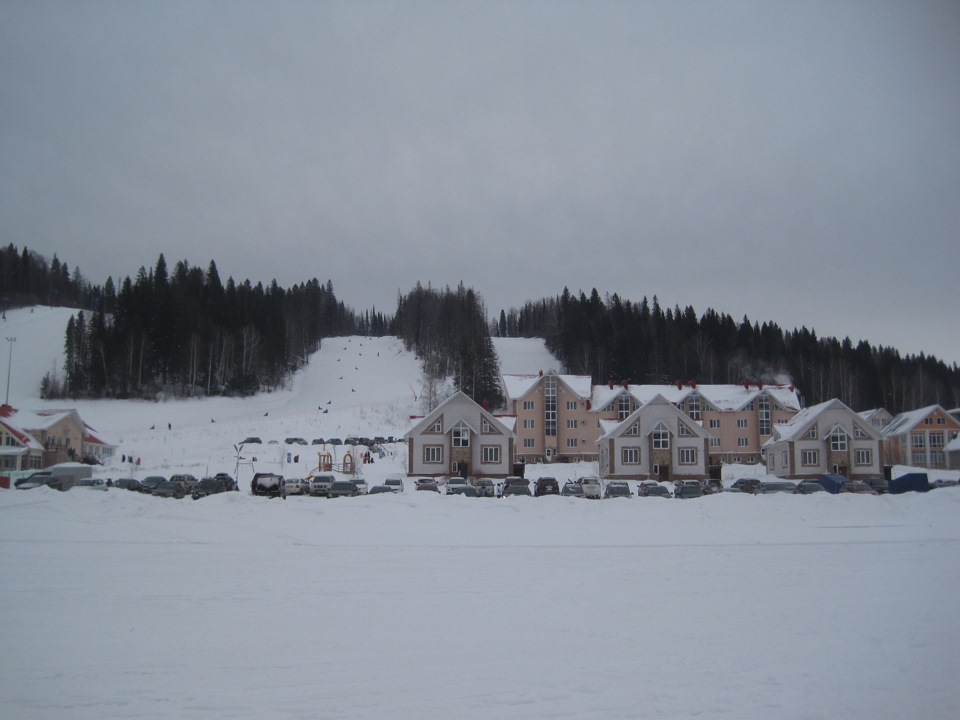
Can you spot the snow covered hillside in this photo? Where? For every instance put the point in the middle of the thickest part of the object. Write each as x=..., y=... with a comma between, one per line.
x=419, y=605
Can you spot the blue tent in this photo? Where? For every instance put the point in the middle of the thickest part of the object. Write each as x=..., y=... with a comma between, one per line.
x=911, y=482
x=832, y=483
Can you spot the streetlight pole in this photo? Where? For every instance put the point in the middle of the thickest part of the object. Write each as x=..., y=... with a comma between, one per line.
x=10, y=340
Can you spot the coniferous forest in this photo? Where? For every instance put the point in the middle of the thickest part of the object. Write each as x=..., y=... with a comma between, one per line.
x=182, y=331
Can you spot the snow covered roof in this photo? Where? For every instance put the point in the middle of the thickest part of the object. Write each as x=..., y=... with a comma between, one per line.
x=516, y=386
x=801, y=422
x=954, y=444
x=722, y=397
x=25, y=438
x=907, y=421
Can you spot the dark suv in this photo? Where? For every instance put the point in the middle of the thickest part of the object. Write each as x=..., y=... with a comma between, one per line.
x=546, y=486
x=754, y=486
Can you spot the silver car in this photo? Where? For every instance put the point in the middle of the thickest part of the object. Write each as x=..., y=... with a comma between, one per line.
x=320, y=485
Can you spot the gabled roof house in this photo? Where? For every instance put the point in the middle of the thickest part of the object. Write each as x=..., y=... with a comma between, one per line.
x=656, y=441
x=822, y=439
x=460, y=438
x=919, y=438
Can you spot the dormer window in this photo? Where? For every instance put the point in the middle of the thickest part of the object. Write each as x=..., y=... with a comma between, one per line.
x=461, y=435
x=437, y=427
x=661, y=437
x=838, y=440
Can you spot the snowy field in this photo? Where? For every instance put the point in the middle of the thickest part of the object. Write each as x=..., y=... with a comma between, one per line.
x=418, y=605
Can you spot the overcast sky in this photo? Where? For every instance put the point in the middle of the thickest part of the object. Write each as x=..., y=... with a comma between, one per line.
x=792, y=161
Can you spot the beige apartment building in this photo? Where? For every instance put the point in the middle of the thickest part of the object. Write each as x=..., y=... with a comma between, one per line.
x=559, y=416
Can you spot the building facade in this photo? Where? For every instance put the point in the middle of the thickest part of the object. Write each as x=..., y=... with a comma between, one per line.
x=460, y=438
x=655, y=442
x=919, y=438
x=828, y=438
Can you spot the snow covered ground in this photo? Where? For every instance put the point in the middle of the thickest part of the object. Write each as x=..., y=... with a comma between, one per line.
x=118, y=605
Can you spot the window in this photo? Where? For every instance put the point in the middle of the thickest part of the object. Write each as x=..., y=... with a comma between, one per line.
x=633, y=429
x=571, y=442
x=528, y=424
x=572, y=404
x=432, y=454
x=863, y=457
x=529, y=442
x=838, y=440
x=688, y=456
x=919, y=440
x=928, y=421
x=714, y=442
x=936, y=440
x=685, y=431
x=714, y=423
x=941, y=421
x=743, y=442
x=858, y=432
x=809, y=458
x=630, y=456
x=490, y=454
x=693, y=407
x=528, y=404
x=437, y=427
x=624, y=406
x=937, y=459
x=571, y=424
x=661, y=437
x=487, y=428
x=741, y=423
x=812, y=433
x=763, y=403
x=550, y=406
x=783, y=457
x=461, y=435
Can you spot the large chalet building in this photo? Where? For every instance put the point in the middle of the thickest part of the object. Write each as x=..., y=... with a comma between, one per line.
x=31, y=440
x=562, y=417
x=919, y=438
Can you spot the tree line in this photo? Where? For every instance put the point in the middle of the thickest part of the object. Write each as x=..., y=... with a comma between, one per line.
x=641, y=342
x=186, y=333
x=448, y=331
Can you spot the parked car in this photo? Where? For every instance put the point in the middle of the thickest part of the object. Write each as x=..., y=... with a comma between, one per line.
x=320, y=484
x=126, y=484
x=466, y=490
x=427, y=484
x=228, y=480
x=546, y=486
x=858, y=487
x=188, y=481
x=881, y=485
x=688, y=489
x=295, y=441
x=362, y=487
x=572, y=489
x=342, y=488
x=485, y=487
x=591, y=487
x=377, y=489
x=169, y=488
x=91, y=483
x=394, y=483
x=516, y=486
x=754, y=486
x=808, y=487
x=149, y=484
x=779, y=486
x=296, y=486
x=655, y=491
x=269, y=485
x=318, y=441
x=617, y=489
x=209, y=486
x=251, y=441
x=455, y=484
